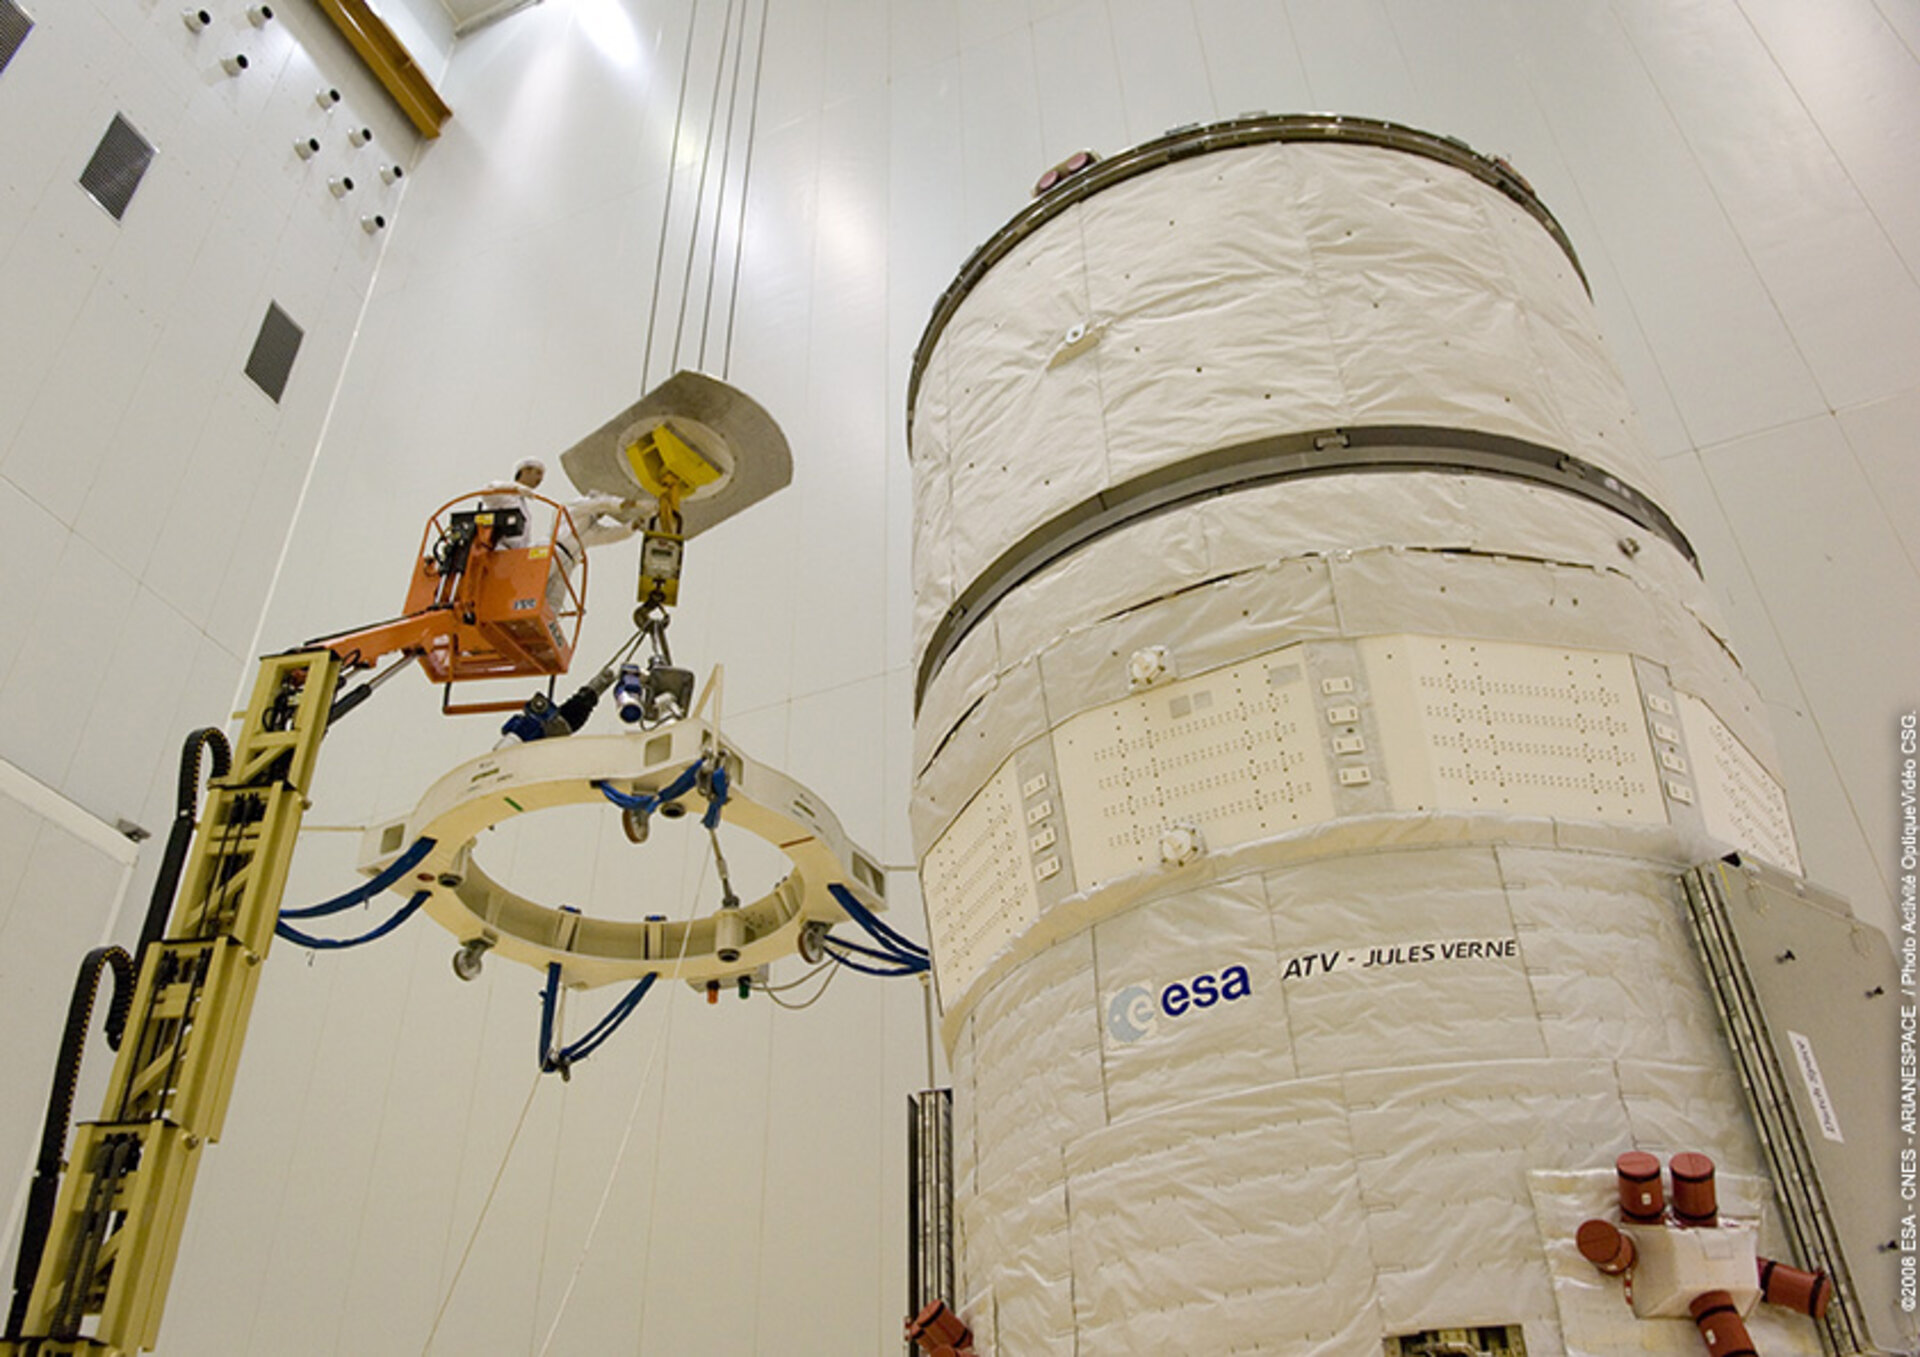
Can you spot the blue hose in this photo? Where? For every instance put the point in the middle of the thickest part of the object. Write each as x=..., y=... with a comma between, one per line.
x=405, y=912
x=561, y=1059
x=852, y=965
x=650, y=801
x=616, y=1015
x=877, y=930
x=878, y=954
x=716, y=797
x=627, y=800
x=360, y=894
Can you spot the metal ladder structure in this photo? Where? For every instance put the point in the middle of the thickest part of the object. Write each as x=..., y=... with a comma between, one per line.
x=109, y=1255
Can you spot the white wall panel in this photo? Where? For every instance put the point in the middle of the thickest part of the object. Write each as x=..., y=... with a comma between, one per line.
x=147, y=663
x=1163, y=72
x=857, y=37
x=1856, y=78
x=1732, y=366
x=841, y=440
x=1848, y=598
x=1000, y=129
x=59, y=898
x=1352, y=59
x=1081, y=105
x=982, y=21
x=1252, y=63
x=1881, y=436
x=61, y=676
x=30, y=554
x=1851, y=302
x=48, y=457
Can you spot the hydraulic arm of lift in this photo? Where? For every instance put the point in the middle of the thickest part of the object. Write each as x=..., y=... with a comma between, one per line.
x=475, y=609
x=110, y=1250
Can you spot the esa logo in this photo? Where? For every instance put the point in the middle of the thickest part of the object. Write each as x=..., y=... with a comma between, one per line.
x=1135, y=1011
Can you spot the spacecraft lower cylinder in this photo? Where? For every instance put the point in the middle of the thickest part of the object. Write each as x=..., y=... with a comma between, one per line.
x=1276, y=499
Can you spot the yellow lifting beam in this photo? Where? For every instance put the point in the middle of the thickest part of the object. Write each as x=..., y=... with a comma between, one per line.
x=109, y=1256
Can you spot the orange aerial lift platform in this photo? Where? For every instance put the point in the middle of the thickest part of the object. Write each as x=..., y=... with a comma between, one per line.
x=487, y=599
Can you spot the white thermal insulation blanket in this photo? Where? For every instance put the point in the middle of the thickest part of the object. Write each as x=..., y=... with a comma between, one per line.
x=964, y=732
x=1351, y=1147
x=1264, y=290
x=1339, y=555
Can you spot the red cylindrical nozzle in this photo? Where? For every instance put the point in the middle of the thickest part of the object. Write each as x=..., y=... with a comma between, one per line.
x=1792, y=1289
x=937, y=1327
x=1642, y=1198
x=1694, y=1199
x=1604, y=1246
x=1720, y=1325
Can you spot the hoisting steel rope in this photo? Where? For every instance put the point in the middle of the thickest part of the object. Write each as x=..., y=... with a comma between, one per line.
x=746, y=178
x=732, y=49
x=660, y=1037
x=700, y=189
x=720, y=198
x=666, y=207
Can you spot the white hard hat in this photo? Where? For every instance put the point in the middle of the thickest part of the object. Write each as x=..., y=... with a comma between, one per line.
x=530, y=464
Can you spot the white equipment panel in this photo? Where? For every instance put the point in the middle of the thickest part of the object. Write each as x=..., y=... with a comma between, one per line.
x=1739, y=800
x=1521, y=729
x=979, y=881
x=1235, y=752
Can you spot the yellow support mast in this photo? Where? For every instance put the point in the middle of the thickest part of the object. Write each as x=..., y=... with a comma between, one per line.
x=109, y=1256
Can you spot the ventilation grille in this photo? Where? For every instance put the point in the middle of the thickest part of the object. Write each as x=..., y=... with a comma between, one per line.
x=274, y=349
x=14, y=25
x=119, y=163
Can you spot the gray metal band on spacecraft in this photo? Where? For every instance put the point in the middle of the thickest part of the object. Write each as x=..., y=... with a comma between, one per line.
x=1284, y=457
x=1185, y=142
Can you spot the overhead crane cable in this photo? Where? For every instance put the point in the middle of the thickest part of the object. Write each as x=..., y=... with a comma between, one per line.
x=700, y=187
x=720, y=198
x=486, y=1205
x=746, y=179
x=666, y=206
x=626, y=1137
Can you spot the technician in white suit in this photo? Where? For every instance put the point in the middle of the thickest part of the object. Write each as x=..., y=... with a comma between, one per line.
x=594, y=521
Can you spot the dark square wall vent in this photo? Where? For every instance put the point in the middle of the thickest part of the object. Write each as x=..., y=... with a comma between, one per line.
x=274, y=349
x=119, y=162
x=14, y=23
